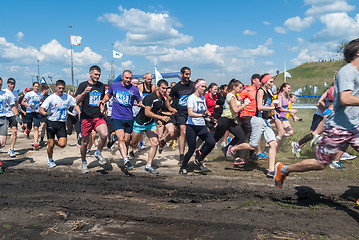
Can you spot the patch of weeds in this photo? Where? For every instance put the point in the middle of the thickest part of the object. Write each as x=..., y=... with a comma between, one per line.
x=324, y=238
x=6, y=226
x=149, y=238
x=163, y=206
x=287, y=205
x=247, y=203
x=321, y=205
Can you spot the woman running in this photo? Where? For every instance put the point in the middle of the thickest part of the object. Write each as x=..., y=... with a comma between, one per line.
x=196, y=127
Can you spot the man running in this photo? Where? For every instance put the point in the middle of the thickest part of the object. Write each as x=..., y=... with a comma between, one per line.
x=147, y=87
x=88, y=95
x=55, y=109
x=146, y=119
x=341, y=125
x=5, y=100
x=11, y=119
x=179, y=94
x=32, y=103
x=45, y=93
x=124, y=94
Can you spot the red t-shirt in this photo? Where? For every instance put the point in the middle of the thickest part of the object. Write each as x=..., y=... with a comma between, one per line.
x=250, y=109
x=210, y=102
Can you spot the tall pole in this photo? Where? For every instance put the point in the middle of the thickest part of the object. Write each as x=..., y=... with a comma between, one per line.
x=72, y=64
x=112, y=77
x=285, y=70
x=38, y=71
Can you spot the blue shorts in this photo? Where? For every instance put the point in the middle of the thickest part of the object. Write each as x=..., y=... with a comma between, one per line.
x=122, y=124
x=33, y=117
x=137, y=128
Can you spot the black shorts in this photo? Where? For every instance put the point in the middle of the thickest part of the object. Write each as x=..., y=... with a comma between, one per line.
x=245, y=123
x=43, y=119
x=172, y=119
x=33, y=117
x=11, y=121
x=315, y=122
x=181, y=119
x=56, y=128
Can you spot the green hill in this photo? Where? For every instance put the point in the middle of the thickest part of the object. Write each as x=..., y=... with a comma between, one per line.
x=310, y=75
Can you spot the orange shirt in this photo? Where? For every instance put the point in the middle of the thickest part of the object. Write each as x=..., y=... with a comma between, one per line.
x=250, y=109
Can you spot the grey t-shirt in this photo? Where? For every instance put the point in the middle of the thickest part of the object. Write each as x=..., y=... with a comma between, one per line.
x=345, y=117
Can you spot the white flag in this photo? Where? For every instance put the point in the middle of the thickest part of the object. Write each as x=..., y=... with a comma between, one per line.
x=116, y=54
x=43, y=81
x=158, y=75
x=75, y=40
x=287, y=74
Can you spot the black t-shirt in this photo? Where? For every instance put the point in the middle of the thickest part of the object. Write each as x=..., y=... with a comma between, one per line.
x=267, y=100
x=89, y=108
x=180, y=93
x=218, y=111
x=151, y=100
x=20, y=101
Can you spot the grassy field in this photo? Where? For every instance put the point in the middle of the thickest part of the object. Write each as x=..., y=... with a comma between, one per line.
x=284, y=154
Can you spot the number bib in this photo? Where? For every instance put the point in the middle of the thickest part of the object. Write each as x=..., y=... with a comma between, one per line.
x=94, y=98
x=123, y=98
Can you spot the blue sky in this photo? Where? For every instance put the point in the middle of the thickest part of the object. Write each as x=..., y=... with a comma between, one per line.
x=218, y=40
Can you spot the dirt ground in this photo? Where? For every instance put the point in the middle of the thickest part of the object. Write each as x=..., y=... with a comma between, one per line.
x=109, y=203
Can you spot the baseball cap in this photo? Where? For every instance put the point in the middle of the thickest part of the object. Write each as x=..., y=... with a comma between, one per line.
x=27, y=90
x=11, y=80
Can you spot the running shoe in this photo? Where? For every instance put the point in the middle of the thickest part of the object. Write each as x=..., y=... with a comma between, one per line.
x=358, y=201
x=11, y=152
x=223, y=144
x=141, y=146
x=42, y=143
x=112, y=140
x=161, y=146
x=129, y=166
x=197, y=153
x=238, y=161
x=279, y=177
x=296, y=150
x=347, y=156
x=79, y=140
x=315, y=140
x=151, y=170
x=101, y=160
x=173, y=144
x=270, y=174
x=336, y=165
x=229, y=153
x=51, y=163
x=84, y=168
x=183, y=172
x=1, y=169
x=261, y=155
x=200, y=165
x=36, y=146
x=27, y=134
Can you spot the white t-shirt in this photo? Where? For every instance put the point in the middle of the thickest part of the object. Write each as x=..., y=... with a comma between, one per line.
x=58, y=106
x=5, y=100
x=33, y=99
x=14, y=95
x=199, y=106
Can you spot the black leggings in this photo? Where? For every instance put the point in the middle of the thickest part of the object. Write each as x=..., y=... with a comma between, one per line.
x=225, y=124
x=192, y=131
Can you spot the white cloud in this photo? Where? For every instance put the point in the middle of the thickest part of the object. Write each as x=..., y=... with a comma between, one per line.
x=249, y=32
x=297, y=24
x=314, y=51
x=147, y=29
x=266, y=23
x=269, y=63
x=338, y=26
x=19, y=36
x=280, y=30
x=320, y=7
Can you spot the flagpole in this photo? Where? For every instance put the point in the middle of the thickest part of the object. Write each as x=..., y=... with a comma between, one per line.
x=72, y=64
x=112, y=77
x=285, y=70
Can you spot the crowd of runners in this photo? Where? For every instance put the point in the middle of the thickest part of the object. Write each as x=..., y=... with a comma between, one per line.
x=196, y=114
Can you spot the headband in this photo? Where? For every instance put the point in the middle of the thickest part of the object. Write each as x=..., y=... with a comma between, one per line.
x=266, y=78
x=200, y=83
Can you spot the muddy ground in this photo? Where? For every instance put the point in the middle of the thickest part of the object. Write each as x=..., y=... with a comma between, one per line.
x=109, y=203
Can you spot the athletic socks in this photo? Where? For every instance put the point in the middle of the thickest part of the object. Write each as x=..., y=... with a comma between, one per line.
x=125, y=159
x=284, y=170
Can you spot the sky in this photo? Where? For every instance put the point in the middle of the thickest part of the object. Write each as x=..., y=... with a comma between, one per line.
x=218, y=40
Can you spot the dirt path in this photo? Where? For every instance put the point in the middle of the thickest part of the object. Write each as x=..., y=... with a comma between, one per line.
x=109, y=203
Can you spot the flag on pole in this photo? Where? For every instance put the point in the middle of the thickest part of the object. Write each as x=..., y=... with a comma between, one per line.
x=43, y=81
x=116, y=54
x=158, y=75
x=75, y=40
x=287, y=75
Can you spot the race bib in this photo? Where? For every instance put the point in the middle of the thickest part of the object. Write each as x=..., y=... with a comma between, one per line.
x=2, y=106
x=94, y=98
x=61, y=114
x=183, y=100
x=123, y=98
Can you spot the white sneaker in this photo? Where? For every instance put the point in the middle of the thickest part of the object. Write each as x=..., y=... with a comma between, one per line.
x=336, y=165
x=223, y=144
x=296, y=150
x=84, y=168
x=11, y=152
x=347, y=156
x=315, y=140
x=101, y=160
